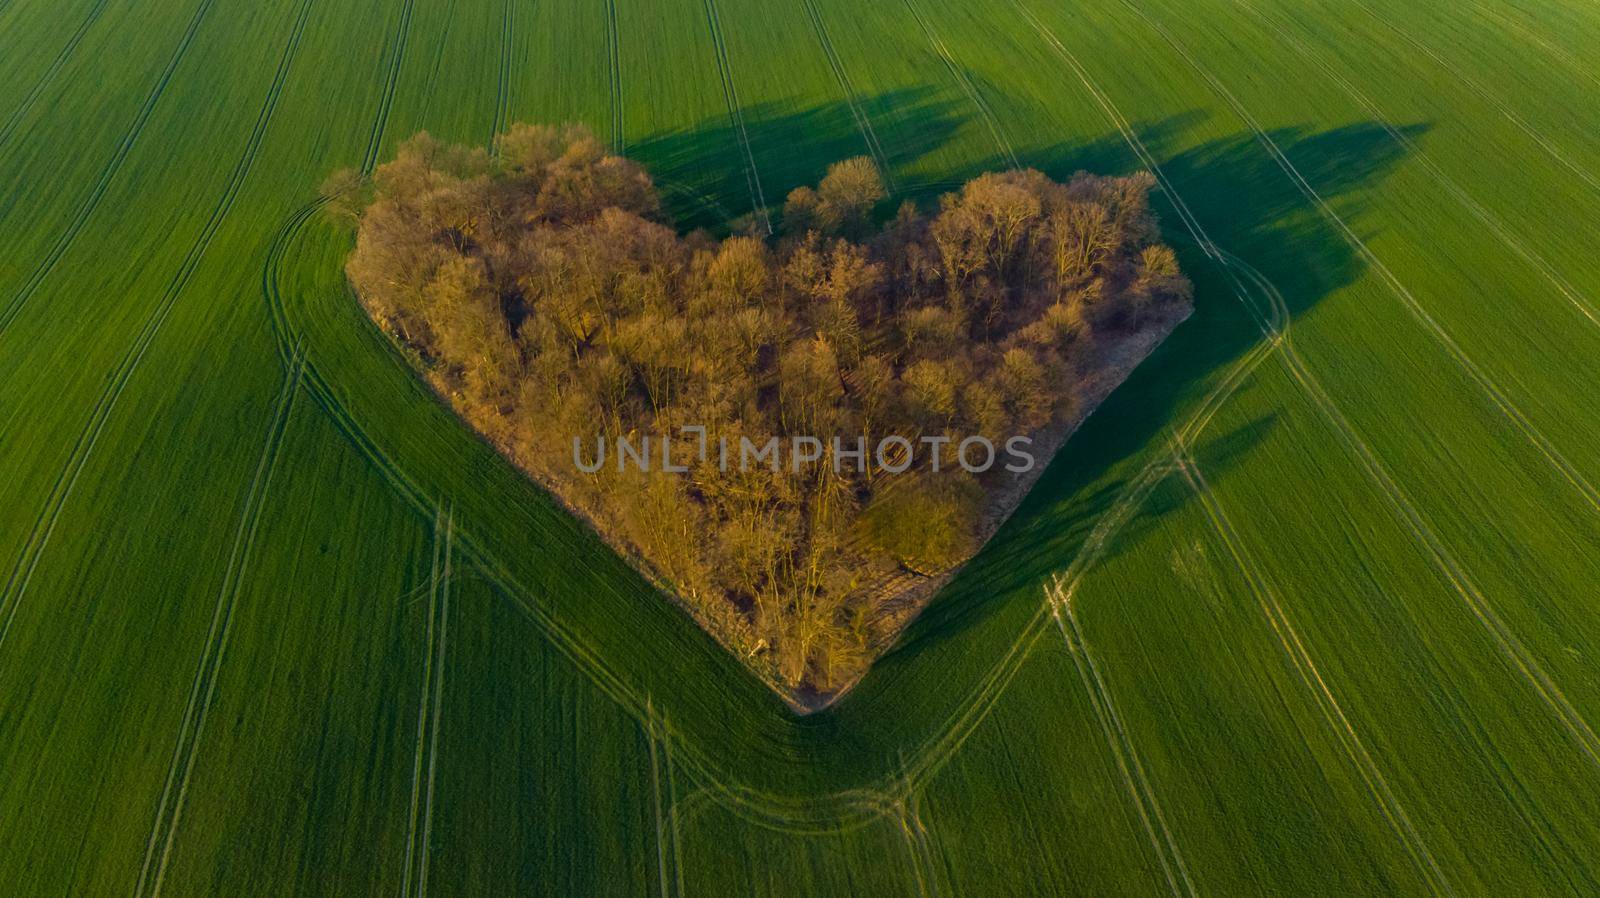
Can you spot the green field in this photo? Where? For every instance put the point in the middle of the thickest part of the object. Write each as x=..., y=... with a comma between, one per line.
x=1307, y=607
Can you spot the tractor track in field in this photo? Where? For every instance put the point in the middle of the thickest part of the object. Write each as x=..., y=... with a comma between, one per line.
x=730, y=95
x=1510, y=645
x=108, y=172
x=1572, y=294
x=1123, y=751
x=1515, y=652
x=669, y=865
x=438, y=58
x=909, y=820
x=1539, y=40
x=971, y=90
x=391, y=84
x=61, y=490
x=420, y=814
x=614, y=60
x=424, y=850
x=8, y=129
x=1477, y=89
x=186, y=751
x=502, y=100
x=672, y=817
x=1276, y=327
x=1486, y=385
x=1311, y=678
x=848, y=89
x=902, y=813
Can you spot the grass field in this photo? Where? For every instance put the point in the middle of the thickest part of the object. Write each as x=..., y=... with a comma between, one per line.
x=1308, y=607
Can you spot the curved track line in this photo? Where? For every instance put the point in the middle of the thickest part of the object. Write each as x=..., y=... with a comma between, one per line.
x=970, y=89
x=1489, y=388
x=164, y=830
x=45, y=523
x=107, y=173
x=1311, y=678
x=730, y=95
x=1497, y=227
x=1478, y=90
x=916, y=832
x=846, y=87
x=15, y=119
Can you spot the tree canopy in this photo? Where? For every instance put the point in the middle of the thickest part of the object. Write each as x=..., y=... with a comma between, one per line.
x=544, y=293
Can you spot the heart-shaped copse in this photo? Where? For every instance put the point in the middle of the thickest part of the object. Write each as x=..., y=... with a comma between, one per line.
x=800, y=431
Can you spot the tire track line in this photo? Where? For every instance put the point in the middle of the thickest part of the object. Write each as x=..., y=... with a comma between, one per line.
x=49, y=76
x=380, y=122
x=435, y=706
x=1122, y=748
x=1277, y=327
x=970, y=89
x=1494, y=224
x=851, y=97
x=932, y=755
x=83, y=448
x=1505, y=639
x=107, y=173
x=1540, y=40
x=502, y=107
x=1477, y=89
x=730, y=95
x=909, y=819
x=1512, y=647
x=424, y=694
x=164, y=829
x=614, y=54
x=438, y=58
x=1490, y=389
x=1311, y=678
x=658, y=802
x=672, y=808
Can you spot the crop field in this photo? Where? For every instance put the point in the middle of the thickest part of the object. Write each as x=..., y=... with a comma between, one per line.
x=1308, y=607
